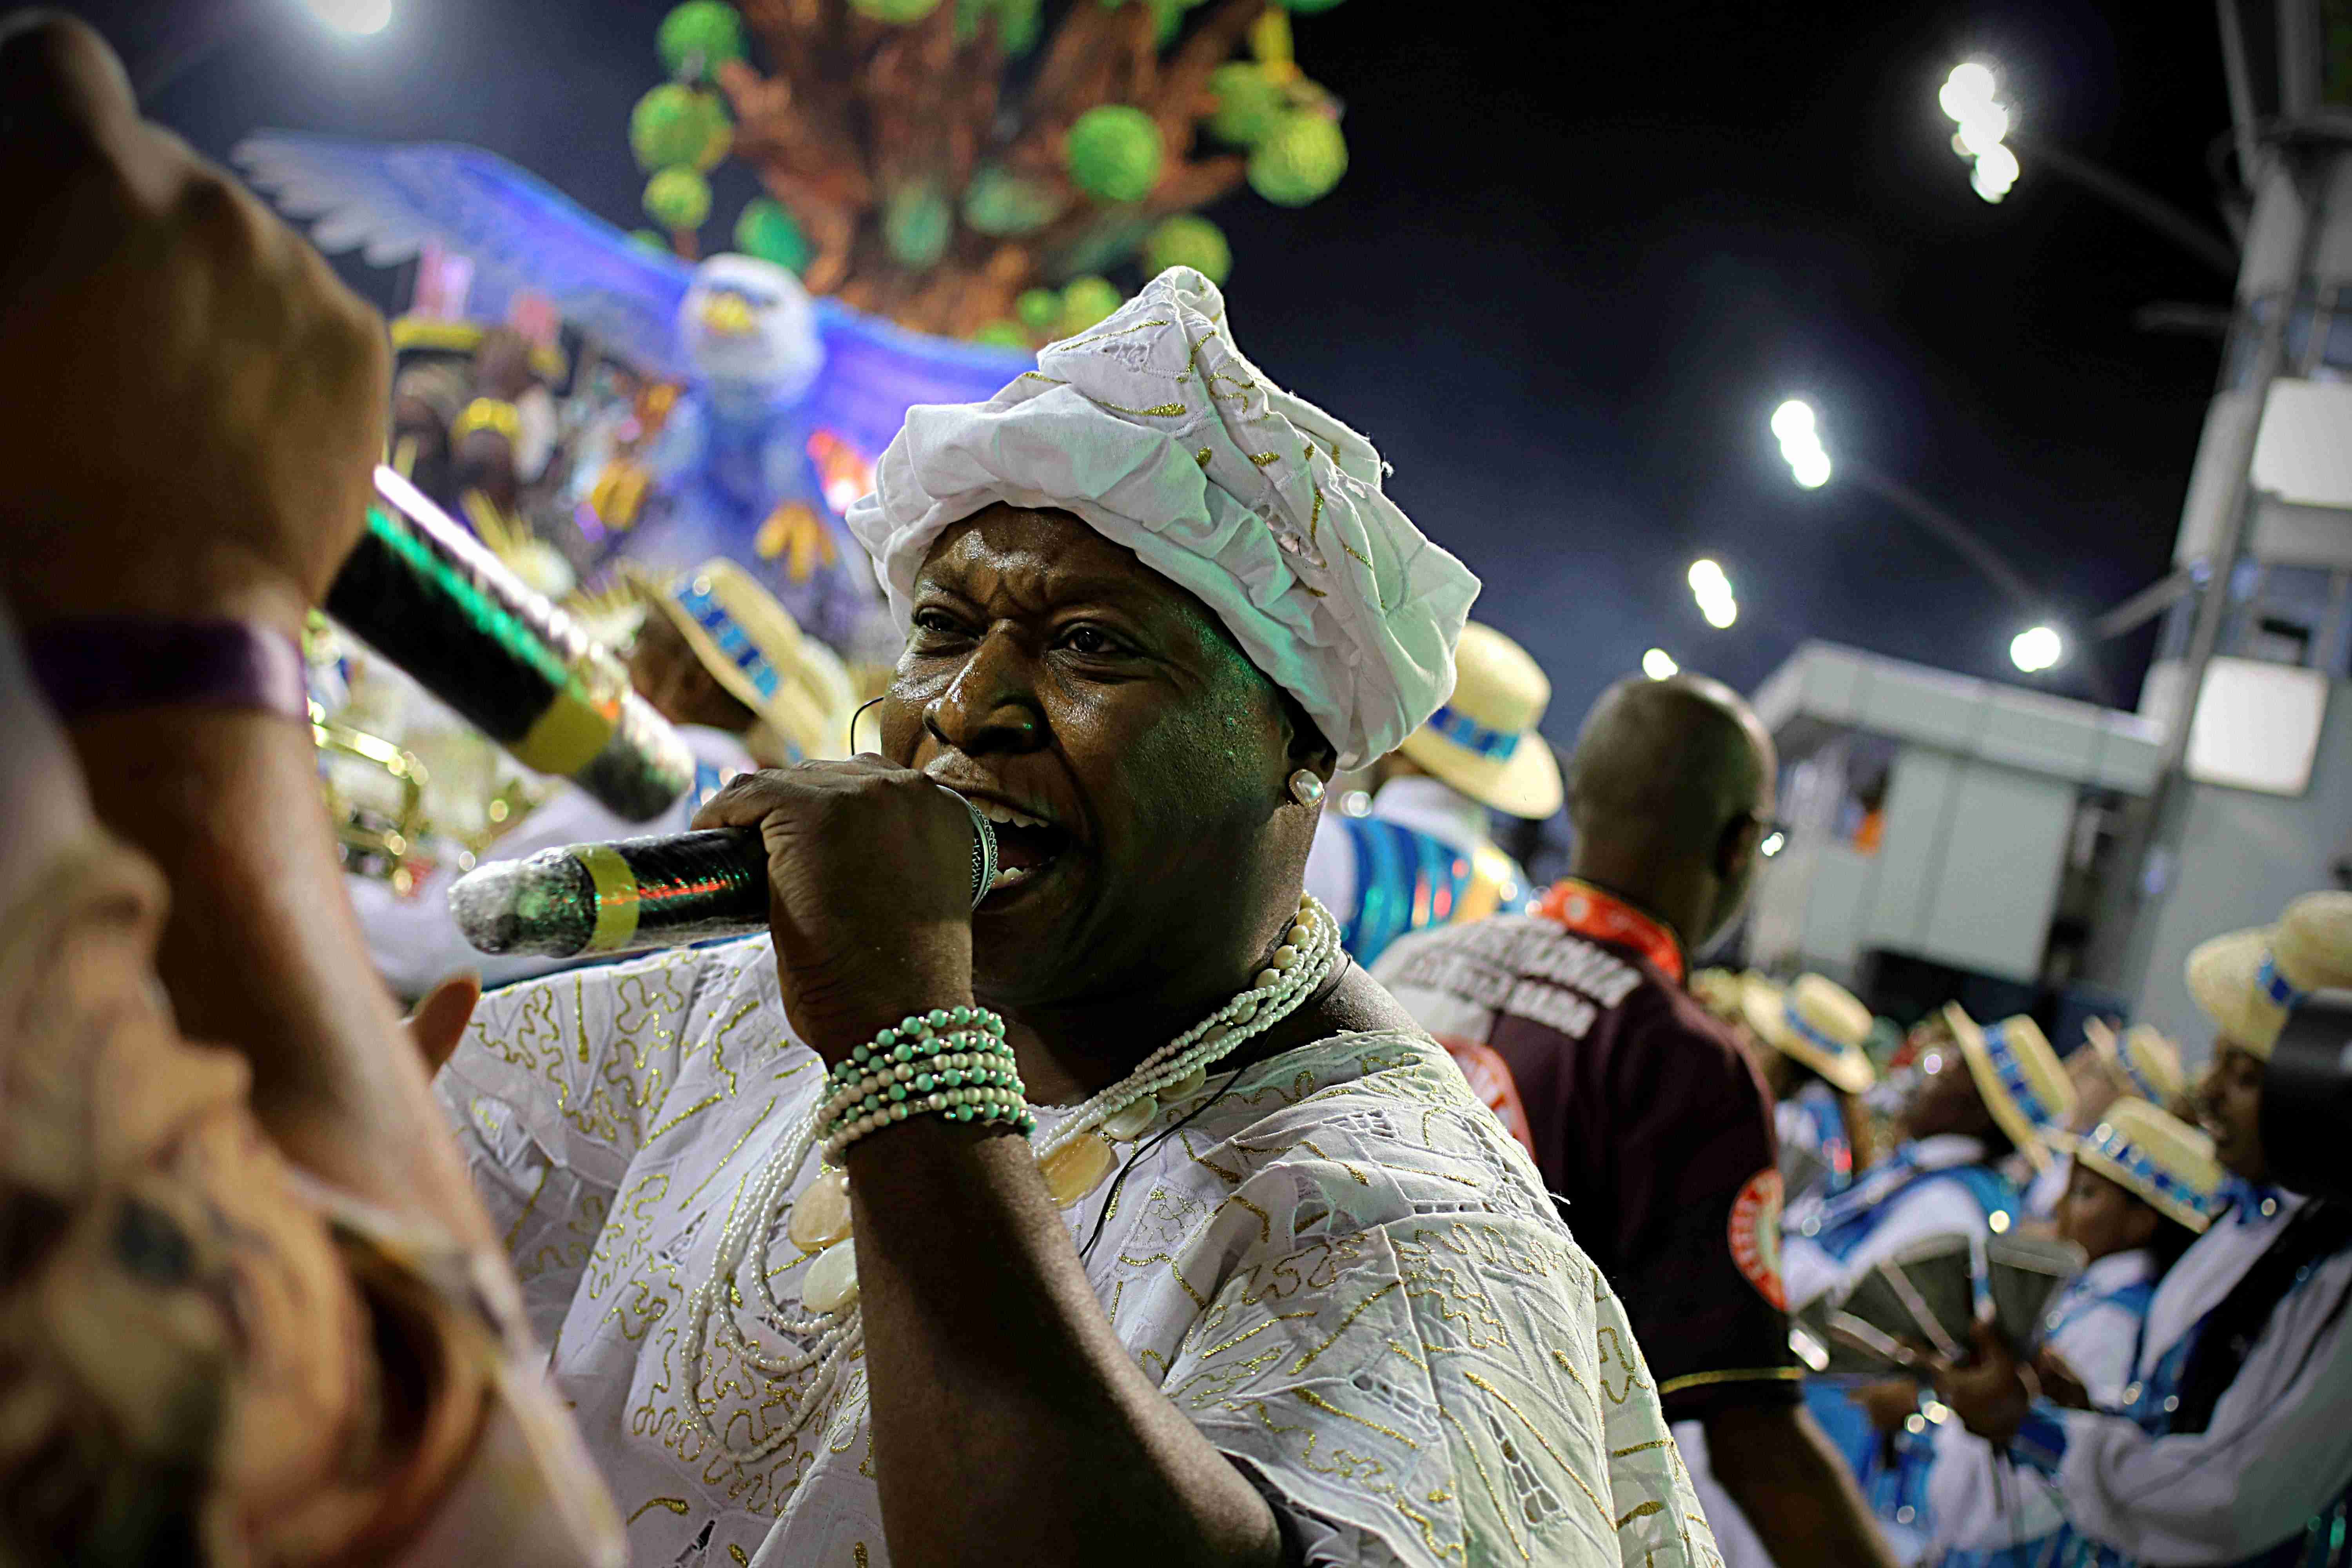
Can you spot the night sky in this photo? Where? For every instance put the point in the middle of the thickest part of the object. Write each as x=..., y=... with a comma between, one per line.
x=1580, y=254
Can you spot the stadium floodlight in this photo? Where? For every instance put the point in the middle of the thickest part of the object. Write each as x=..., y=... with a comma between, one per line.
x=357, y=17
x=1800, y=442
x=2036, y=648
x=1713, y=590
x=1969, y=99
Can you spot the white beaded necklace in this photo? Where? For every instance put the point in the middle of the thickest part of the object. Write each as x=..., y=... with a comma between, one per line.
x=1299, y=964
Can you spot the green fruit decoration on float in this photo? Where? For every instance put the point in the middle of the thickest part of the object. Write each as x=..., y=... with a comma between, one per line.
x=1188, y=241
x=1088, y=302
x=677, y=198
x=674, y=125
x=766, y=230
x=916, y=224
x=1001, y=203
x=1004, y=334
x=1250, y=103
x=898, y=12
x=699, y=38
x=1114, y=152
x=1300, y=162
x=1039, y=309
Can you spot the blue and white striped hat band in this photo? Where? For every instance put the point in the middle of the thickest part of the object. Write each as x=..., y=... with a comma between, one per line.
x=696, y=598
x=2282, y=991
x=2109, y=1148
x=1805, y=1030
x=2010, y=1071
x=2149, y=1090
x=1471, y=735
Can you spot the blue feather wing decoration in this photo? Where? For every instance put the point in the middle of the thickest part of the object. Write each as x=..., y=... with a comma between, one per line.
x=875, y=371
x=389, y=198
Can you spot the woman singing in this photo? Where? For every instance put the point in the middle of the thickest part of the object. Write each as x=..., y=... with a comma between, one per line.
x=1263, y=1282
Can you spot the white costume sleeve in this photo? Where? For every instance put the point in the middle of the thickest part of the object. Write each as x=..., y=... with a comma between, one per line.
x=1331, y=867
x=1982, y=1500
x=2279, y=1446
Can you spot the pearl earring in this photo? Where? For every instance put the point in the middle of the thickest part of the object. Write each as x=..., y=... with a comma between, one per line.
x=1306, y=788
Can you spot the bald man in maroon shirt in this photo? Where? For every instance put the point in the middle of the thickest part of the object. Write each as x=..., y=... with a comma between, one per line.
x=1647, y=1121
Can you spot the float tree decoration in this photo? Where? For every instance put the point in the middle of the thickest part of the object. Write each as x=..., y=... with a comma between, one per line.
x=963, y=168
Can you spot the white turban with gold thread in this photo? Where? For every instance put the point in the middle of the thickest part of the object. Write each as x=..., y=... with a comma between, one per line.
x=1155, y=430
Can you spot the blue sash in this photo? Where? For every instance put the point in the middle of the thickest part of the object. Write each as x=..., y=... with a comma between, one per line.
x=1407, y=880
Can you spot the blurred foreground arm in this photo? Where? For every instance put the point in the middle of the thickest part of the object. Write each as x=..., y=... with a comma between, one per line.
x=189, y=406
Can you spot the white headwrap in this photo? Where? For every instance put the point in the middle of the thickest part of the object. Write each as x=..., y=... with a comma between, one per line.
x=1154, y=429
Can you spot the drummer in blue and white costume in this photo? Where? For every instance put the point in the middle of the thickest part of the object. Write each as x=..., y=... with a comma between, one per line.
x=2232, y=1445
x=1968, y=1110
x=1422, y=856
x=1970, y=1107
x=2140, y=1188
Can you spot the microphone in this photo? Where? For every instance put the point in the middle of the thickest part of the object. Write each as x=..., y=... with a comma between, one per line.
x=664, y=891
x=432, y=599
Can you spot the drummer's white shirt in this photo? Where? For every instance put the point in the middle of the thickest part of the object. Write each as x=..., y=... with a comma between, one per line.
x=2279, y=1445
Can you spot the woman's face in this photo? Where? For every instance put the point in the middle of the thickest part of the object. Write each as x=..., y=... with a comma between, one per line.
x=1156, y=846
x=2100, y=1217
x=2230, y=1107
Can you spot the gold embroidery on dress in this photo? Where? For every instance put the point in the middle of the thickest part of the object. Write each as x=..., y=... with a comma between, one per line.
x=1303, y=1362
x=677, y=1505
x=508, y=1241
x=1116, y=332
x=1264, y=1220
x=1611, y=1343
x=1159, y=411
x=735, y=1148
x=1324, y=1404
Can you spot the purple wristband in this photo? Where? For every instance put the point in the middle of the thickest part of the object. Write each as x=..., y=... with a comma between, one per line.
x=107, y=664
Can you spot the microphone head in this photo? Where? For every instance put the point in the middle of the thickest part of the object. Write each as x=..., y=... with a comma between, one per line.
x=545, y=905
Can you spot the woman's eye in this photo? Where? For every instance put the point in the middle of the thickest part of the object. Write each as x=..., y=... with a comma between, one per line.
x=938, y=623
x=1090, y=640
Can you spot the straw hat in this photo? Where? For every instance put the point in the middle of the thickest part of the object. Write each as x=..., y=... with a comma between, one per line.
x=2249, y=981
x=1721, y=991
x=752, y=645
x=2019, y=1077
x=1483, y=741
x=1817, y=1022
x=2143, y=1062
x=2157, y=1157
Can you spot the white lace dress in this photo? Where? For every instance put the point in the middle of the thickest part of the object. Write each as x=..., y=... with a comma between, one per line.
x=1343, y=1271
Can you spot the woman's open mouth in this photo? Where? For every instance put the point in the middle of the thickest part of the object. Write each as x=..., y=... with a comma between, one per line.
x=1026, y=846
